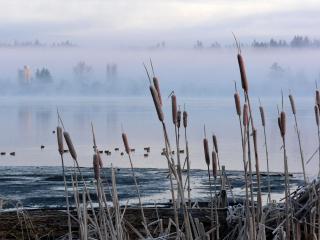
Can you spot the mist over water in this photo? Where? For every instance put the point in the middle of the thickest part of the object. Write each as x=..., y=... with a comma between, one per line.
x=190, y=72
x=202, y=79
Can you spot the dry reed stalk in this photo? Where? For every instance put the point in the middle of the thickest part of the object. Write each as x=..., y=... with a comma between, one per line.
x=294, y=111
x=316, y=110
x=61, y=151
x=214, y=174
x=255, y=145
x=185, y=125
x=282, y=126
x=207, y=159
x=127, y=148
x=176, y=130
x=263, y=121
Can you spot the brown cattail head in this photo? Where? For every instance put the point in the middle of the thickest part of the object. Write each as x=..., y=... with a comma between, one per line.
x=179, y=119
x=156, y=102
x=157, y=87
x=244, y=81
x=237, y=102
x=254, y=135
x=100, y=159
x=125, y=142
x=70, y=145
x=318, y=98
x=206, y=151
x=293, y=106
x=185, y=119
x=214, y=164
x=316, y=112
x=60, y=140
x=96, y=166
x=215, y=143
x=174, y=108
x=263, y=120
x=283, y=123
x=245, y=115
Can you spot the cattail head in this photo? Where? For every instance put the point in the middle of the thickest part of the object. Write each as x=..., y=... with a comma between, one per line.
x=245, y=115
x=263, y=120
x=206, y=151
x=70, y=145
x=157, y=87
x=254, y=134
x=156, y=102
x=293, y=106
x=99, y=159
x=214, y=164
x=237, y=102
x=96, y=166
x=125, y=142
x=185, y=119
x=174, y=108
x=60, y=140
x=215, y=143
x=179, y=119
x=283, y=123
x=316, y=112
x=318, y=98
x=244, y=81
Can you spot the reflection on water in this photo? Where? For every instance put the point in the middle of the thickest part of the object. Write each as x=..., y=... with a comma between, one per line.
x=28, y=123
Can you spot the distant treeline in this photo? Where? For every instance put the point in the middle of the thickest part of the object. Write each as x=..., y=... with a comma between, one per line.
x=297, y=41
x=36, y=43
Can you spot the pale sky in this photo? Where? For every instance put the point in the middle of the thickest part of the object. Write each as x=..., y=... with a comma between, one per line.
x=126, y=22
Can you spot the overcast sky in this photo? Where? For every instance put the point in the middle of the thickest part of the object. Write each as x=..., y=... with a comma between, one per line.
x=134, y=22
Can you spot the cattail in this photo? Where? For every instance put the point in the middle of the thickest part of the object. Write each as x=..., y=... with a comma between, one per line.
x=279, y=124
x=185, y=119
x=254, y=134
x=156, y=102
x=70, y=145
x=293, y=106
x=316, y=112
x=318, y=98
x=179, y=119
x=96, y=167
x=215, y=143
x=245, y=115
x=263, y=120
x=125, y=142
x=214, y=164
x=174, y=108
x=244, y=81
x=99, y=159
x=157, y=87
x=283, y=123
x=237, y=102
x=206, y=151
x=60, y=140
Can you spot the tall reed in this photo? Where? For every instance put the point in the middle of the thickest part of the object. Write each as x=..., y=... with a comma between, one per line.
x=263, y=122
x=294, y=112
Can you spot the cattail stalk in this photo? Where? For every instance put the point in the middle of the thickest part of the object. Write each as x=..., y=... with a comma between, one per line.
x=316, y=109
x=185, y=124
x=61, y=151
x=282, y=126
x=294, y=111
x=263, y=121
x=127, y=148
x=214, y=174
